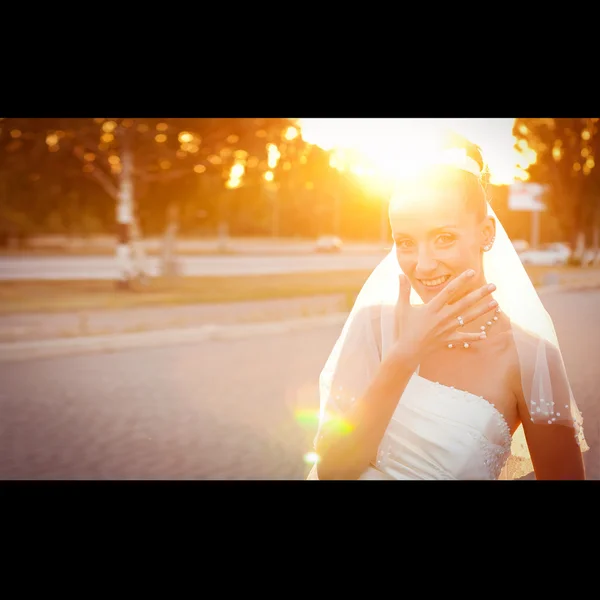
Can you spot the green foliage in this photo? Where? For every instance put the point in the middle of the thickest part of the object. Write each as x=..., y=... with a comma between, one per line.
x=61, y=175
x=567, y=151
x=56, y=176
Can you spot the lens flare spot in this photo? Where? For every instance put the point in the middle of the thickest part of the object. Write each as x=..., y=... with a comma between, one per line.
x=307, y=417
x=332, y=422
x=338, y=425
x=311, y=458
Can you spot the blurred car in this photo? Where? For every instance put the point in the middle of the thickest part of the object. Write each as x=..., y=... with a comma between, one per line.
x=548, y=255
x=328, y=243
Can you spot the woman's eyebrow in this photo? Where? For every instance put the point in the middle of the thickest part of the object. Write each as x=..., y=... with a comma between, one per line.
x=436, y=230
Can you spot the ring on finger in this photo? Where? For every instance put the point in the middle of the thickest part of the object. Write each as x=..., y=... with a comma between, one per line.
x=460, y=321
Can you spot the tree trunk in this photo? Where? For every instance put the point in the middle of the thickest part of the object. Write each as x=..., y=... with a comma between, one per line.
x=124, y=221
x=579, y=252
x=223, y=221
x=273, y=194
x=579, y=229
x=595, y=260
x=169, y=256
x=131, y=256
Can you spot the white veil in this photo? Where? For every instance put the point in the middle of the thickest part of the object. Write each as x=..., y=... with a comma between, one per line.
x=369, y=331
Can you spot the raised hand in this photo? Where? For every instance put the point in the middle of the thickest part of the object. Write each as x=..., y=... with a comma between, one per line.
x=424, y=328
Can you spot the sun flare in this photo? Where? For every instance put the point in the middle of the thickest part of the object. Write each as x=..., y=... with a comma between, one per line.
x=383, y=150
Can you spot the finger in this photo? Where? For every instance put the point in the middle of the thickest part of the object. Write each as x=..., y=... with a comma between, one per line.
x=465, y=305
x=459, y=339
x=451, y=290
x=484, y=307
x=404, y=290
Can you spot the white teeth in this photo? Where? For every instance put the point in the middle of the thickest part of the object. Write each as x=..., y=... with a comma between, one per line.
x=434, y=282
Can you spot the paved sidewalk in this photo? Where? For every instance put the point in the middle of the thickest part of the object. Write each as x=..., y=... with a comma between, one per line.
x=34, y=349
x=45, y=326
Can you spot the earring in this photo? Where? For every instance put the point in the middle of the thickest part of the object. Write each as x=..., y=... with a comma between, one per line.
x=488, y=247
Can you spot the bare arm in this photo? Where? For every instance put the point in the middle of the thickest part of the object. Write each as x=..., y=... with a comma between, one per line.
x=554, y=451
x=347, y=456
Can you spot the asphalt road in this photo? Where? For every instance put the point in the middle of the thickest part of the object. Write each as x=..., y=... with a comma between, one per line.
x=236, y=409
x=105, y=267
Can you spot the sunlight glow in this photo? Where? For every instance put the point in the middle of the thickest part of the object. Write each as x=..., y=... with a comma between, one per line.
x=393, y=148
x=185, y=137
x=273, y=155
x=235, y=175
x=109, y=126
x=290, y=134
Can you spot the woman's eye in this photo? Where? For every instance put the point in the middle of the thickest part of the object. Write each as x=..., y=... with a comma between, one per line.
x=403, y=244
x=445, y=238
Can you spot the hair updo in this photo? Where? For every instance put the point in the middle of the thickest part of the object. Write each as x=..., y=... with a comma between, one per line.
x=473, y=192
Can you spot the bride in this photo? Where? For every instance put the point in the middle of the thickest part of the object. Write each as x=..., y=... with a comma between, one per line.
x=448, y=366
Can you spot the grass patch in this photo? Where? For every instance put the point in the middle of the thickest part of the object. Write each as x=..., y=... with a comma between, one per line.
x=58, y=296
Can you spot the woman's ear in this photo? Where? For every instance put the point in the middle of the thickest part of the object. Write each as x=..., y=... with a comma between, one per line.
x=488, y=233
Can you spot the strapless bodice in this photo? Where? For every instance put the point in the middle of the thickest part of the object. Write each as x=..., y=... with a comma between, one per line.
x=440, y=432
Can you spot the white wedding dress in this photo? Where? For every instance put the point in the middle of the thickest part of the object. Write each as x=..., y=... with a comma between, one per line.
x=440, y=432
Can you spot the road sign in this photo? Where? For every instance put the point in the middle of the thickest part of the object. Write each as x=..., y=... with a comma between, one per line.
x=526, y=196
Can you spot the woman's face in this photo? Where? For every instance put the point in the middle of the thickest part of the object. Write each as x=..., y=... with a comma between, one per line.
x=434, y=245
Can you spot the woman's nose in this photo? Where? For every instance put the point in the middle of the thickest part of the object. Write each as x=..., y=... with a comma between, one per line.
x=426, y=263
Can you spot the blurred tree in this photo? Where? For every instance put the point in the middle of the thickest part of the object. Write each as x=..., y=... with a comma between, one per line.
x=566, y=153
x=249, y=176
x=127, y=156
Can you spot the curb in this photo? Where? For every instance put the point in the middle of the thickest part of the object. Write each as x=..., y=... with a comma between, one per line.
x=31, y=350
x=569, y=287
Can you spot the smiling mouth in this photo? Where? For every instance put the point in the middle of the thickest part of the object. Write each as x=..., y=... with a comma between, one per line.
x=435, y=283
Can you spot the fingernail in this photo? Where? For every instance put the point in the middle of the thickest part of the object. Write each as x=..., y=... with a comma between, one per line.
x=491, y=287
x=483, y=336
x=470, y=273
x=493, y=303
